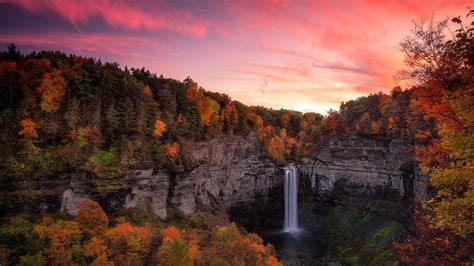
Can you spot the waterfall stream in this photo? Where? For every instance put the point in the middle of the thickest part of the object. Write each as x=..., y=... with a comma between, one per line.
x=291, y=199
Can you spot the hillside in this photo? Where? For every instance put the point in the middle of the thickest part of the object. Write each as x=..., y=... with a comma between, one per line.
x=105, y=165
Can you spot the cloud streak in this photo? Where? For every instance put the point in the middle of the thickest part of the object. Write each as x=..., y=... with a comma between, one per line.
x=282, y=54
x=124, y=14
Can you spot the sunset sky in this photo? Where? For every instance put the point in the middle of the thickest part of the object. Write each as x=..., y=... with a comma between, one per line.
x=301, y=55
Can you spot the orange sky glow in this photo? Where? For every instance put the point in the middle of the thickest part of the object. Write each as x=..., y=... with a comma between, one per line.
x=301, y=55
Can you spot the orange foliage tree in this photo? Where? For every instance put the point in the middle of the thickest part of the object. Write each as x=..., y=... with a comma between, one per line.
x=160, y=127
x=97, y=250
x=228, y=245
x=444, y=226
x=52, y=90
x=28, y=129
x=276, y=149
x=172, y=149
x=331, y=122
x=129, y=244
x=61, y=237
x=206, y=106
x=171, y=232
x=91, y=218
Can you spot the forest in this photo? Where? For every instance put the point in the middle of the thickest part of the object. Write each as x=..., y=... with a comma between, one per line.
x=64, y=113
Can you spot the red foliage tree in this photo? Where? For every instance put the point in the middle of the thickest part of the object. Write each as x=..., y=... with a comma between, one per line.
x=28, y=129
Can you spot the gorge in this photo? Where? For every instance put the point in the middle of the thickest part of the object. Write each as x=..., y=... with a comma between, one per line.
x=234, y=172
x=103, y=165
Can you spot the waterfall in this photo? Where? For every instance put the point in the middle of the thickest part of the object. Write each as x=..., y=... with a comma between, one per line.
x=291, y=199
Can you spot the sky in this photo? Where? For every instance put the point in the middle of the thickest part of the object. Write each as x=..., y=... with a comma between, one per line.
x=303, y=55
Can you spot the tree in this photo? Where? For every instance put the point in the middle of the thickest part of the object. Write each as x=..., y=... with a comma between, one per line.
x=171, y=149
x=129, y=244
x=284, y=119
x=276, y=149
x=447, y=97
x=91, y=218
x=112, y=121
x=228, y=246
x=12, y=53
x=427, y=55
x=331, y=122
x=61, y=236
x=72, y=116
x=160, y=127
x=52, y=90
x=97, y=250
x=171, y=232
x=167, y=102
x=28, y=129
x=147, y=91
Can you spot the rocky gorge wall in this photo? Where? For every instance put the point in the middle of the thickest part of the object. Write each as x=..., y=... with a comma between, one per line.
x=351, y=167
x=230, y=171
x=234, y=173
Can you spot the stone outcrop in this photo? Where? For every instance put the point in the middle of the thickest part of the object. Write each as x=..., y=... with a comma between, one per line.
x=230, y=171
x=234, y=172
x=149, y=190
x=350, y=167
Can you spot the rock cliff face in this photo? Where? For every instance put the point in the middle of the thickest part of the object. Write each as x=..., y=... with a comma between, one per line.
x=234, y=173
x=232, y=170
x=351, y=167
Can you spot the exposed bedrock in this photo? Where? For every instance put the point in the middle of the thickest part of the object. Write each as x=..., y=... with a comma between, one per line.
x=234, y=173
x=349, y=168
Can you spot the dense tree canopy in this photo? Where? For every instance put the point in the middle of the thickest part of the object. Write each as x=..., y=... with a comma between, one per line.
x=65, y=113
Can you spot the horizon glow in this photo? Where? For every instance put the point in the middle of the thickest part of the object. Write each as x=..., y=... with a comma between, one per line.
x=307, y=56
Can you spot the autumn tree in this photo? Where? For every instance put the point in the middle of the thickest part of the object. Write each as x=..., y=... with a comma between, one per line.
x=160, y=127
x=96, y=249
x=62, y=236
x=276, y=149
x=284, y=119
x=230, y=116
x=147, y=91
x=229, y=246
x=449, y=102
x=28, y=129
x=428, y=57
x=171, y=149
x=52, y=90
x=171, y=232
x=331, y=122
x=91, y=218
x=207, y=107
x=129, y=244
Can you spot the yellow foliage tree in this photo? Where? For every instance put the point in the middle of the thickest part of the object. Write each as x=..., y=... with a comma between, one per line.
x=52, y=90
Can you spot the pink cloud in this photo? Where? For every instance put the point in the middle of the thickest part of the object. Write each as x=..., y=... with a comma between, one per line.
x=300, y=53
x=125, y=14
x=117, y=45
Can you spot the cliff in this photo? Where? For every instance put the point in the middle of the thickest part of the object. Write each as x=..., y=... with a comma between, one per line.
x=351, y=167
x=230, y=171
x=233, y=172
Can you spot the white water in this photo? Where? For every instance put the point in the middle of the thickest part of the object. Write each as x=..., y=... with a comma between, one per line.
x=291, y=199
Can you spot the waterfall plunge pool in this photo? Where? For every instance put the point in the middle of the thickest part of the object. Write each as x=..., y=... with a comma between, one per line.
x=294, y=243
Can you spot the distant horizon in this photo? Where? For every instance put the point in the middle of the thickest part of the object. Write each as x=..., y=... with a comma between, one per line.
x=306, y=57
